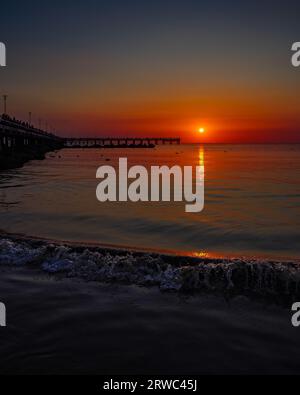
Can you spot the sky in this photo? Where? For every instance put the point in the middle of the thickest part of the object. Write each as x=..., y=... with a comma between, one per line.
x=155, y=68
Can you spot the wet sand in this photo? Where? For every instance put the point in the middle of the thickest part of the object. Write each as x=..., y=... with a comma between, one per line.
x=58, y=326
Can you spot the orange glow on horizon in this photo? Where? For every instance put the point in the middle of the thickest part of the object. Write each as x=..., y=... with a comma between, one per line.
x=217, y=128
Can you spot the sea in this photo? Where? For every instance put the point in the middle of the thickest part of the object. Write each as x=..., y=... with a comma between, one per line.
x=251, y=208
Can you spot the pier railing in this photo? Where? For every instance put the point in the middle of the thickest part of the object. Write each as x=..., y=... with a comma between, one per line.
x=119, y=142
x=14, y=134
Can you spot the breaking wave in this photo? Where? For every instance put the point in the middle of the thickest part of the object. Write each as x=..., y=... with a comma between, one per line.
x=279, y=280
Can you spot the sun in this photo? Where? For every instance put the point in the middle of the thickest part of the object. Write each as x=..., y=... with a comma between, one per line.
x=201, y=130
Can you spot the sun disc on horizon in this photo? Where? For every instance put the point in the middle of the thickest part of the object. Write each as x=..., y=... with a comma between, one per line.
x=201, y=130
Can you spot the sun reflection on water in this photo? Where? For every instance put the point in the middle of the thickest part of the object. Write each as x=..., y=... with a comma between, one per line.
x=200, y=254
x=201, y=157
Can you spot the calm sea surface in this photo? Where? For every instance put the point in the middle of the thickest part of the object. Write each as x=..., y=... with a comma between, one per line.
x=252, y=201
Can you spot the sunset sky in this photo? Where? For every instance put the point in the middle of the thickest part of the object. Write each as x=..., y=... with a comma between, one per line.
x=159, y=67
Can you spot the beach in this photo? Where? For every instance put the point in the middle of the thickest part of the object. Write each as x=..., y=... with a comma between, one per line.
x=79, y=310
x=149, y=192
x=95, y=288
x=65, y=326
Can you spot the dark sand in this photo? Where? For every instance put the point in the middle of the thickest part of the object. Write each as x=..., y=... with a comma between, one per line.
x=74, y=327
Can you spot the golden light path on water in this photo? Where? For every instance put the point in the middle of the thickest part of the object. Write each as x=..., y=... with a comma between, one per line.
x=201, y=180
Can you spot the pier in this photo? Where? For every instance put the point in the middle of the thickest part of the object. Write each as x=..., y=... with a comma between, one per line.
x=21, y=142
x=16, y=135
x=119, y=142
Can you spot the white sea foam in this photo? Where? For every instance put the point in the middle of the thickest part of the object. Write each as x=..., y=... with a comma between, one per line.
x=169, y=273
x=18, y=254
